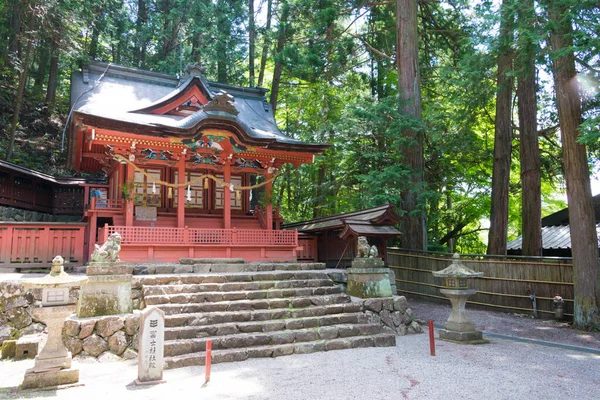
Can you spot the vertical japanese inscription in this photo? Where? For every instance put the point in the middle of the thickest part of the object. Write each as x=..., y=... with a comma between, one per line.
x=151, y=346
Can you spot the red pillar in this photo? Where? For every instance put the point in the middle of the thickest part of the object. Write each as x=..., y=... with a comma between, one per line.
x=129, y=203
x=92, y=230
x=181, y=193
x=227, y=196
x=269, y=210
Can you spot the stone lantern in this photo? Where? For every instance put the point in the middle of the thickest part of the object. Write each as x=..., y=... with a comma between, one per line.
x=53, y=364
x=459, y=327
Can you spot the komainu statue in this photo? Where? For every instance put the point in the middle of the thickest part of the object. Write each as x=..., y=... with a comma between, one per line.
x=109, y=251
x=364, y=250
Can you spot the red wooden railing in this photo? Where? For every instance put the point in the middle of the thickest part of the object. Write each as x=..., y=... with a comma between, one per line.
x=229, y=237
x=35, y=244
x=101, y=204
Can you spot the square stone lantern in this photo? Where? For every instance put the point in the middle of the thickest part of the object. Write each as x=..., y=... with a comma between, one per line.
x=53, y=364
x=459, y=327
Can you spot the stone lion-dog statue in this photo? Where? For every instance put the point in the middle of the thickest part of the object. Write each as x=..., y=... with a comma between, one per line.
x=109, y=251
x=364, y=250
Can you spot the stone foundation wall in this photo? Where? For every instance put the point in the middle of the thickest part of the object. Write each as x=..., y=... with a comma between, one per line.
x=12, y=214
x=393, y=313
x=103, y=337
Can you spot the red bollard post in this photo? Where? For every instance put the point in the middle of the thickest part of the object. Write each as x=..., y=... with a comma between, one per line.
x=431, y=337
x=208, y=361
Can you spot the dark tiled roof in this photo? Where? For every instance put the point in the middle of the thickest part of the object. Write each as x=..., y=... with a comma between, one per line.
x=562, y=217
x=376, y=216
x=123, y=92
x=8, y=166
x=553, y=237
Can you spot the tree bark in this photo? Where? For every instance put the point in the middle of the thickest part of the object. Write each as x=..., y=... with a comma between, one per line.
x=52, y=76
x=19, y=95
x=531, y=214
x=42, y=60
x=251, y=45
x=223, y=29
x=409, y=87
x=584, y=240
x=140, y=48
x=281, y=41
x=502, y=137
x=266, y=44
x=14, y=45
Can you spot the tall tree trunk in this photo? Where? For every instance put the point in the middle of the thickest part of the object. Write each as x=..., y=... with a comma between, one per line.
x=251, y=32
x=40, y=74
x=409, y=87
x=53, y=75
x=14, y=45
x=281, y=40
x=19, y=95
x=584, y=240
x=531, y=217
x=266, y=45
x=223, y=29
x=95, y=39
x=141, y=42
x=503, y=136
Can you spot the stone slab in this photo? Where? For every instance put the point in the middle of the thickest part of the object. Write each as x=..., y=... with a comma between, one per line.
x=369, y=282
x=367, y=263
x=27, y=347
x=151, y=360
x=9, y=347
x=36, y=380
x=105, y=295
x=211, y=261
x=472, y=337
x=108, y=268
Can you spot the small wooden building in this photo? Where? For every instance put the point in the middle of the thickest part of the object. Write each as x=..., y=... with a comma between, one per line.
x=333, y=240
x=190, y=164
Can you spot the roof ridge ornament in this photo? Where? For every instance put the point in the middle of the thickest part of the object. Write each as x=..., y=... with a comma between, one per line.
x=222, y=101
x=195, y=70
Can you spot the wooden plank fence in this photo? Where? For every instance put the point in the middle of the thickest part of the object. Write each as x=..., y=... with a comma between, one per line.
x=35, y=244
x=506, y=285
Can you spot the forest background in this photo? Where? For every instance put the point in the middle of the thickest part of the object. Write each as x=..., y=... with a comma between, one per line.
x=334, y=70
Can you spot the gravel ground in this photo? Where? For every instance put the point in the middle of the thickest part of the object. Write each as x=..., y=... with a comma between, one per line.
x=503, y=369
x=519, y=325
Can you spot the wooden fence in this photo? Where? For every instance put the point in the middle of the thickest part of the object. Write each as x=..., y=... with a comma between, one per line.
x=506, y=286
x=35, y=244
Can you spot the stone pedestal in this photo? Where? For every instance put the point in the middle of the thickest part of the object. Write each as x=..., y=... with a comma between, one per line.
x=108, y=291
x=367, y=279
x=459, y=327
x=53, y=364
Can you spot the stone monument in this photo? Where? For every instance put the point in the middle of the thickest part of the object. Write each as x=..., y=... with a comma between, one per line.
x=151, y=347
x=53, y=364
x=367, y=276
x=459, y=327
x=108, y=291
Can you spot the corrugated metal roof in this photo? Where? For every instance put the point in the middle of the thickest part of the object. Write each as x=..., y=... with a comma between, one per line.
x=553, y=237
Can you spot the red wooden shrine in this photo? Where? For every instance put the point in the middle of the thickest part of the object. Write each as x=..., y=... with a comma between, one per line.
x=190, y=165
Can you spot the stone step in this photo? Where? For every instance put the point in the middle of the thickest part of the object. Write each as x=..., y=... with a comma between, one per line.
x=213, y=297
x=195, y=325
x=150, y=280
x=242, y=306
x=156, y=290
x=241, y=340
x=211, y=260
x=276, y=350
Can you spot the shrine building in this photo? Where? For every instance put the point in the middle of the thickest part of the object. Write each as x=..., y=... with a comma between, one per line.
x=190, y=165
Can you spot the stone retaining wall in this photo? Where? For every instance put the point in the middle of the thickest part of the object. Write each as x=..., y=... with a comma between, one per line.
x=12, y=214
x=393, y=313
x=103, y=337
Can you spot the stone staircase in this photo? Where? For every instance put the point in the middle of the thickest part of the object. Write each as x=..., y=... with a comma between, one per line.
x=256, y=310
